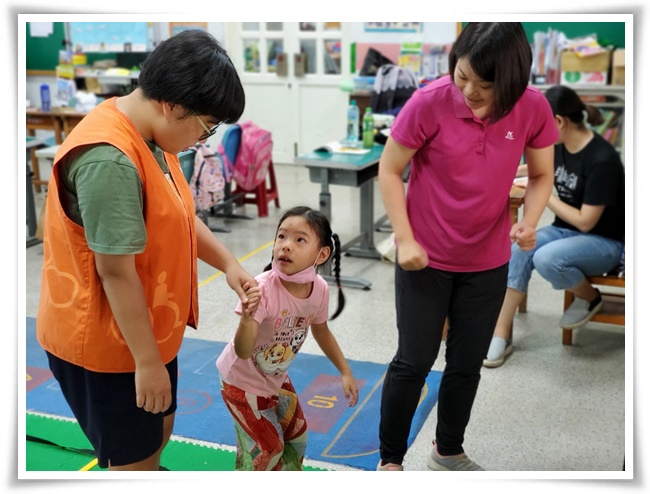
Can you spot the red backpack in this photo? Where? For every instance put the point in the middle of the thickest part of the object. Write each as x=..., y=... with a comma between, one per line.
x=253, y=155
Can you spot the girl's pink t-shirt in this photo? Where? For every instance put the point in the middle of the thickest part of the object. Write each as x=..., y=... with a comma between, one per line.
x=284, y=324
x=460, y=177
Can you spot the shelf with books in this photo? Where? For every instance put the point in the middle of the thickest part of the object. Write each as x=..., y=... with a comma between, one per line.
x=610, y=100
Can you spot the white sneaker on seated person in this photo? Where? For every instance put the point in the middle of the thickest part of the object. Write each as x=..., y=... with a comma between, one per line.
x=499, y=349
x=580, y=312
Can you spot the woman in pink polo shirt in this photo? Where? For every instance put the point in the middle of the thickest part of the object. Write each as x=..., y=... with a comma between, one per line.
x=464, y=136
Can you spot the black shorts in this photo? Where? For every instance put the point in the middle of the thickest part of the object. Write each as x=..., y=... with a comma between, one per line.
x=104, y=405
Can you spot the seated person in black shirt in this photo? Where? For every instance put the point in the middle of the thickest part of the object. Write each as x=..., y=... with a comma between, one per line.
x=587, y=236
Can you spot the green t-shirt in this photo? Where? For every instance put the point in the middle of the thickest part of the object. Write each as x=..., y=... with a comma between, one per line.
x=102, y=192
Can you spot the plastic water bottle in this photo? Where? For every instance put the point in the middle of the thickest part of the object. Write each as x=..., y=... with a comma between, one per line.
x=353, y=123
x=368, y=129
x=46, y=102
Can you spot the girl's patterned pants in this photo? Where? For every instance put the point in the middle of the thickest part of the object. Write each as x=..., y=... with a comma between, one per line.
x=271, y=432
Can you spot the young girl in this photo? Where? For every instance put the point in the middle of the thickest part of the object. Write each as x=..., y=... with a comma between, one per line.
x=271, y=427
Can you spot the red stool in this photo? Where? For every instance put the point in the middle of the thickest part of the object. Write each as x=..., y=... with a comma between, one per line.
x=264, y=193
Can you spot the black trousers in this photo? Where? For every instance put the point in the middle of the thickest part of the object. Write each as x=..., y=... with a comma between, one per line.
x=424, y=299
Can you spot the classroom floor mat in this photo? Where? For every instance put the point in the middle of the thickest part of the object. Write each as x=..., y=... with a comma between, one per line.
x=338, y=434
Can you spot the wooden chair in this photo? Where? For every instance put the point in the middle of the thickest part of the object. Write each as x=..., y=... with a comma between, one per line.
x=613, y=311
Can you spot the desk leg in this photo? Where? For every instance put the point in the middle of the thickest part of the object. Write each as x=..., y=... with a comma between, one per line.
x=325, y=206
x=36, y=171
x=325, y=197
x=523, y=305
x=31, y=209
x=366, y=247
x=383, y=225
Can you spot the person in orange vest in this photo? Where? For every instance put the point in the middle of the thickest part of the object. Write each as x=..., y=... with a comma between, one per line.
x=121, y=244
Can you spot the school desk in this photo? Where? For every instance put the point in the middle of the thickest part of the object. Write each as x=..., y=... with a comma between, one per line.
x=355, y=170
x=32, y=144
x=359, y=170
x=60, y=120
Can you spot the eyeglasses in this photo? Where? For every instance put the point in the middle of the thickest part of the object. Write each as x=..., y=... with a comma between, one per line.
x=208, y=132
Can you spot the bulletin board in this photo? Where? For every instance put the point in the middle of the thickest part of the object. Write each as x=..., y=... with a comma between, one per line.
x=177, y=27
x=393, y=27
x=42, y=53
x=88, y=37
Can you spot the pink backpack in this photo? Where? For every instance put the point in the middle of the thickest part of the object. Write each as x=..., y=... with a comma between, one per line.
x=207, y=183
x=253, y=155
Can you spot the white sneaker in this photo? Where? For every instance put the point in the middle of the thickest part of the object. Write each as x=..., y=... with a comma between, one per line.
x=580, y=312
x=459, y=462
x=499, y=349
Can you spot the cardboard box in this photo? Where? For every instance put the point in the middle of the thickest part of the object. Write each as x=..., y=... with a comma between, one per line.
x=591, y=69
x=618, y=67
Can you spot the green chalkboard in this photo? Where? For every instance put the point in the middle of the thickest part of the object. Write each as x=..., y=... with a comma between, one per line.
x=608, y=33
x=42, y=53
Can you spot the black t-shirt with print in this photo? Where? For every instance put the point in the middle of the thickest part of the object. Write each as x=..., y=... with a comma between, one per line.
x=593, y=176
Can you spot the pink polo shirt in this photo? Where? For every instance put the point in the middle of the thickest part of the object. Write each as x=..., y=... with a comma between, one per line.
x=458, y=191
x=284, y=325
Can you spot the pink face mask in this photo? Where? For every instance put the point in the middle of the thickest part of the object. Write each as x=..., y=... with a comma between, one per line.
x=307, y=275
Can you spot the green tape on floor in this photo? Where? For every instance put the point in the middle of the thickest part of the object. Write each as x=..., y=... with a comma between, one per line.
x=177, y=456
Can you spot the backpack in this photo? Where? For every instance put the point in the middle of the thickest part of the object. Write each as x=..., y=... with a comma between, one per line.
x=207, y=182
x=246, y=153
x=392, y=88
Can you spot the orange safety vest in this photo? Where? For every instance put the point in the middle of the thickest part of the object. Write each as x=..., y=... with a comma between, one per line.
x=75, y=321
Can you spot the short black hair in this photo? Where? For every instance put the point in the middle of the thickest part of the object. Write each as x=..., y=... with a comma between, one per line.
x=498, y=52
x=193, y=70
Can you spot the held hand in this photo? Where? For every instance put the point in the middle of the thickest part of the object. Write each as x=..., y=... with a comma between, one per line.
x=350, y=390
x=411, y=256
x=520, y=182
x=523, y=235
x=153, y=388
x=253, y=294
x=240, y=281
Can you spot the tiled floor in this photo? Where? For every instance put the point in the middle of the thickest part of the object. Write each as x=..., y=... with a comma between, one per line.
x=550, y=408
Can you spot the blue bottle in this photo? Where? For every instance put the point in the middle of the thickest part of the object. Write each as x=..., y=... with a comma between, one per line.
x=46, y=102
x=353, y=123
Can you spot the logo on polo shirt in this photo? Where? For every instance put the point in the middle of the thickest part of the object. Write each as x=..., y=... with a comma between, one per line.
x=509, y=136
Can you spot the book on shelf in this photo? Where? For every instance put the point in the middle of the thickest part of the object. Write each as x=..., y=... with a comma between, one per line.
x=593, y=98
x=611, y=135
x=609, y=120
x=610, y=128
x=340, y=147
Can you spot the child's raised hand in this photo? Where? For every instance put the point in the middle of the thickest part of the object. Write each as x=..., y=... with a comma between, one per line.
x=350, y=389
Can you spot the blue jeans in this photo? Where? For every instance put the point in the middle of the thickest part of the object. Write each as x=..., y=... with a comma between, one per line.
x=563, y=257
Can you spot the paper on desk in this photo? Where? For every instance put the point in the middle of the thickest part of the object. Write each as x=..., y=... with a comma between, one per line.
x=338, y=147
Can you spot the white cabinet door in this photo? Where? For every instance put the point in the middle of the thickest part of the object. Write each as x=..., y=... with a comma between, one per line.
x=302, y=105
